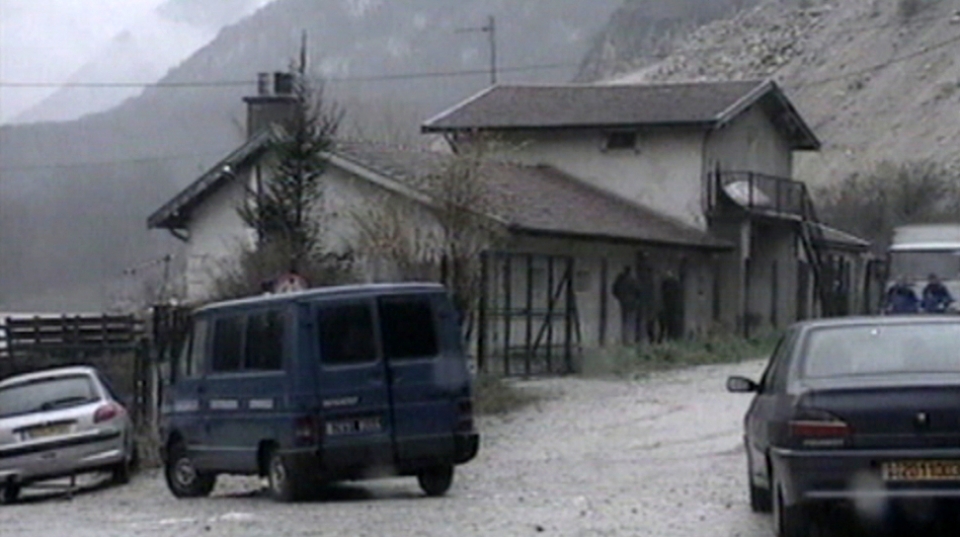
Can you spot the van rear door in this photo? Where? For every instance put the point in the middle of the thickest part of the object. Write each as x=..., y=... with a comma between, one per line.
x=427, y=373
x=354, y=400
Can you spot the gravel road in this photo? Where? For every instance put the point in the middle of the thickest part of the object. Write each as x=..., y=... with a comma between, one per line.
x=658, y=456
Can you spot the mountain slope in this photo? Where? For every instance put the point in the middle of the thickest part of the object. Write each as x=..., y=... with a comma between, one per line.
x=74, y=196
x=142, y=53
x=878, y=80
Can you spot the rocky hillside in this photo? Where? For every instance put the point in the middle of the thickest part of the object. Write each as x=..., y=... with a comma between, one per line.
x=877, y=79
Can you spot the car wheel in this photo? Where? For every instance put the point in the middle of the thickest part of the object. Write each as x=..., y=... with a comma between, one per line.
x=183, y=479
x=436, y=481
x=761, y=500
x=788, y=521
x=120, y=473
x=10, y=493
x=286, y=483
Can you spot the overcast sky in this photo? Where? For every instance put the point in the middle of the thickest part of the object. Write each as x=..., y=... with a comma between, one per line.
x=47, y=40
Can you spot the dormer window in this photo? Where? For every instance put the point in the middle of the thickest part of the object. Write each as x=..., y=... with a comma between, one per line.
x=620, y=141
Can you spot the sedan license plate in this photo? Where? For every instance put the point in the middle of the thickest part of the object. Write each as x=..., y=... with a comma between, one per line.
x=48, y=430
x=901, y=471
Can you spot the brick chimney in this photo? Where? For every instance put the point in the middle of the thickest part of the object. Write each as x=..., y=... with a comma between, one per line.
x=274, y=103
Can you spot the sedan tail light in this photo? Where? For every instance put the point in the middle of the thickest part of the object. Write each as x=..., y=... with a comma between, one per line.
x=816, y=428
x=106, y=413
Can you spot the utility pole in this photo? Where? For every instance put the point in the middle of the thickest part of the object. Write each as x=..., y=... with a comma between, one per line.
x=490, y=28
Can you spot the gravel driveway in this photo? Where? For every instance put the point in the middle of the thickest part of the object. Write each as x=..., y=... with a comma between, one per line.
x=659, y=456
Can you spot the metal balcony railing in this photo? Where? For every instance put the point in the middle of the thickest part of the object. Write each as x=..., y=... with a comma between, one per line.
x=776, y=197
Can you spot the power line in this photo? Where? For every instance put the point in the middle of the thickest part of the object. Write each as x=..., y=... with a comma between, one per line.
x=826, y=80
x=233, y=83
x=876, y=67
x=407, y=76
x=91, y=163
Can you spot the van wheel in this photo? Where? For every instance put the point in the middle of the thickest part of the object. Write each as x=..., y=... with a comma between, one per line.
x=183, y=478
x=436, y=481
x=10, y=493
x=286, y=483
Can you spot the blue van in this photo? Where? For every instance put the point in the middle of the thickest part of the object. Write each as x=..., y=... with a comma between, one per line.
x=305, y=388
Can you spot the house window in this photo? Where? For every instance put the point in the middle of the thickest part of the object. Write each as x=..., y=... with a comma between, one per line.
x=621, y=140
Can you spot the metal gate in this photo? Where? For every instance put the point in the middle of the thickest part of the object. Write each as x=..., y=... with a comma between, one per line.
x=528, y=321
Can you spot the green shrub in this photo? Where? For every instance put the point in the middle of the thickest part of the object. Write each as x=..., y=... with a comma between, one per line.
x=714, y=349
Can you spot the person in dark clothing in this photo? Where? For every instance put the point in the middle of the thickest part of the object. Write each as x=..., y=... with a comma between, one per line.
x=671, y=312
x=935, y=297
x=901, y=298
x=626, y=289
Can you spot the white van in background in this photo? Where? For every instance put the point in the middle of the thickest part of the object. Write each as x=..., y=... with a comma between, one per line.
x=919, y=250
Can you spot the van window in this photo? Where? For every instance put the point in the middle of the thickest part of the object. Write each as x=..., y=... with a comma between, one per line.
x=408, y=328
x=346, y=334
x=227, y=344
x=191, y=357
x=264, y=350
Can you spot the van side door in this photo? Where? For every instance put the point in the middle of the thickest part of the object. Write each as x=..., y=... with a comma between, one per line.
x=182, y=406
x=427, y=372
x=244, y=387
x=354, y=402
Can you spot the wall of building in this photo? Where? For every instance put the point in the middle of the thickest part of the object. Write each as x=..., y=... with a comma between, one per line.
x=750, y=143
x=596, y=265
x=772, y=298
x=662, y=173
x=217, y=235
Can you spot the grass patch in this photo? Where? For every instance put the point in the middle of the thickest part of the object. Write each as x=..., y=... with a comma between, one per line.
x=494, y=396
x=719, y=349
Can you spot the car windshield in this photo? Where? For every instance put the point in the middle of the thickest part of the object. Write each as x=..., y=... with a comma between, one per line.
x=46, y=394
x=882, y=350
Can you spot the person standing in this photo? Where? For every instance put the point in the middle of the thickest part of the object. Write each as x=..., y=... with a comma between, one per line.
x=671, y=313
x=626, y=289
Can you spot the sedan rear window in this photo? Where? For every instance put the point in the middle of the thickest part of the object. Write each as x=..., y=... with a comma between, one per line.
x=46, y=394
x=882, y=350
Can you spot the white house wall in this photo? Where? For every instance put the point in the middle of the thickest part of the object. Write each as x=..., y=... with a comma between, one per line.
x=662, y=173
x=216, y=234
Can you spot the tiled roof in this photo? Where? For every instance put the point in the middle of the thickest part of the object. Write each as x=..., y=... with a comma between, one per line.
x=173, y=214
x=533, y=199
x=702, y=104
x=538, y=199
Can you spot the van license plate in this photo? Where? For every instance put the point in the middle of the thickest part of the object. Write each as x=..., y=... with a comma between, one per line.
x=921, y=471
x=354, y=426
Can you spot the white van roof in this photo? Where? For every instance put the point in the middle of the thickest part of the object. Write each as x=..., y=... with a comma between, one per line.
x=926, y=237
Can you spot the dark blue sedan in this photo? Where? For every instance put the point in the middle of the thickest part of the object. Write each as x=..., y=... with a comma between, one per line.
x=862, y=412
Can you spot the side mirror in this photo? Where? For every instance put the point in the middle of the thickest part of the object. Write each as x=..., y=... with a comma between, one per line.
x=742, y=385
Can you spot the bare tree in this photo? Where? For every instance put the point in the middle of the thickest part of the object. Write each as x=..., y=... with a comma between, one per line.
x=871, y=205
x=443, y=235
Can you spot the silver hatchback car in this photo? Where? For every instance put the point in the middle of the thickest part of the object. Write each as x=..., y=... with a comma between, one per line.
x=61, y=422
